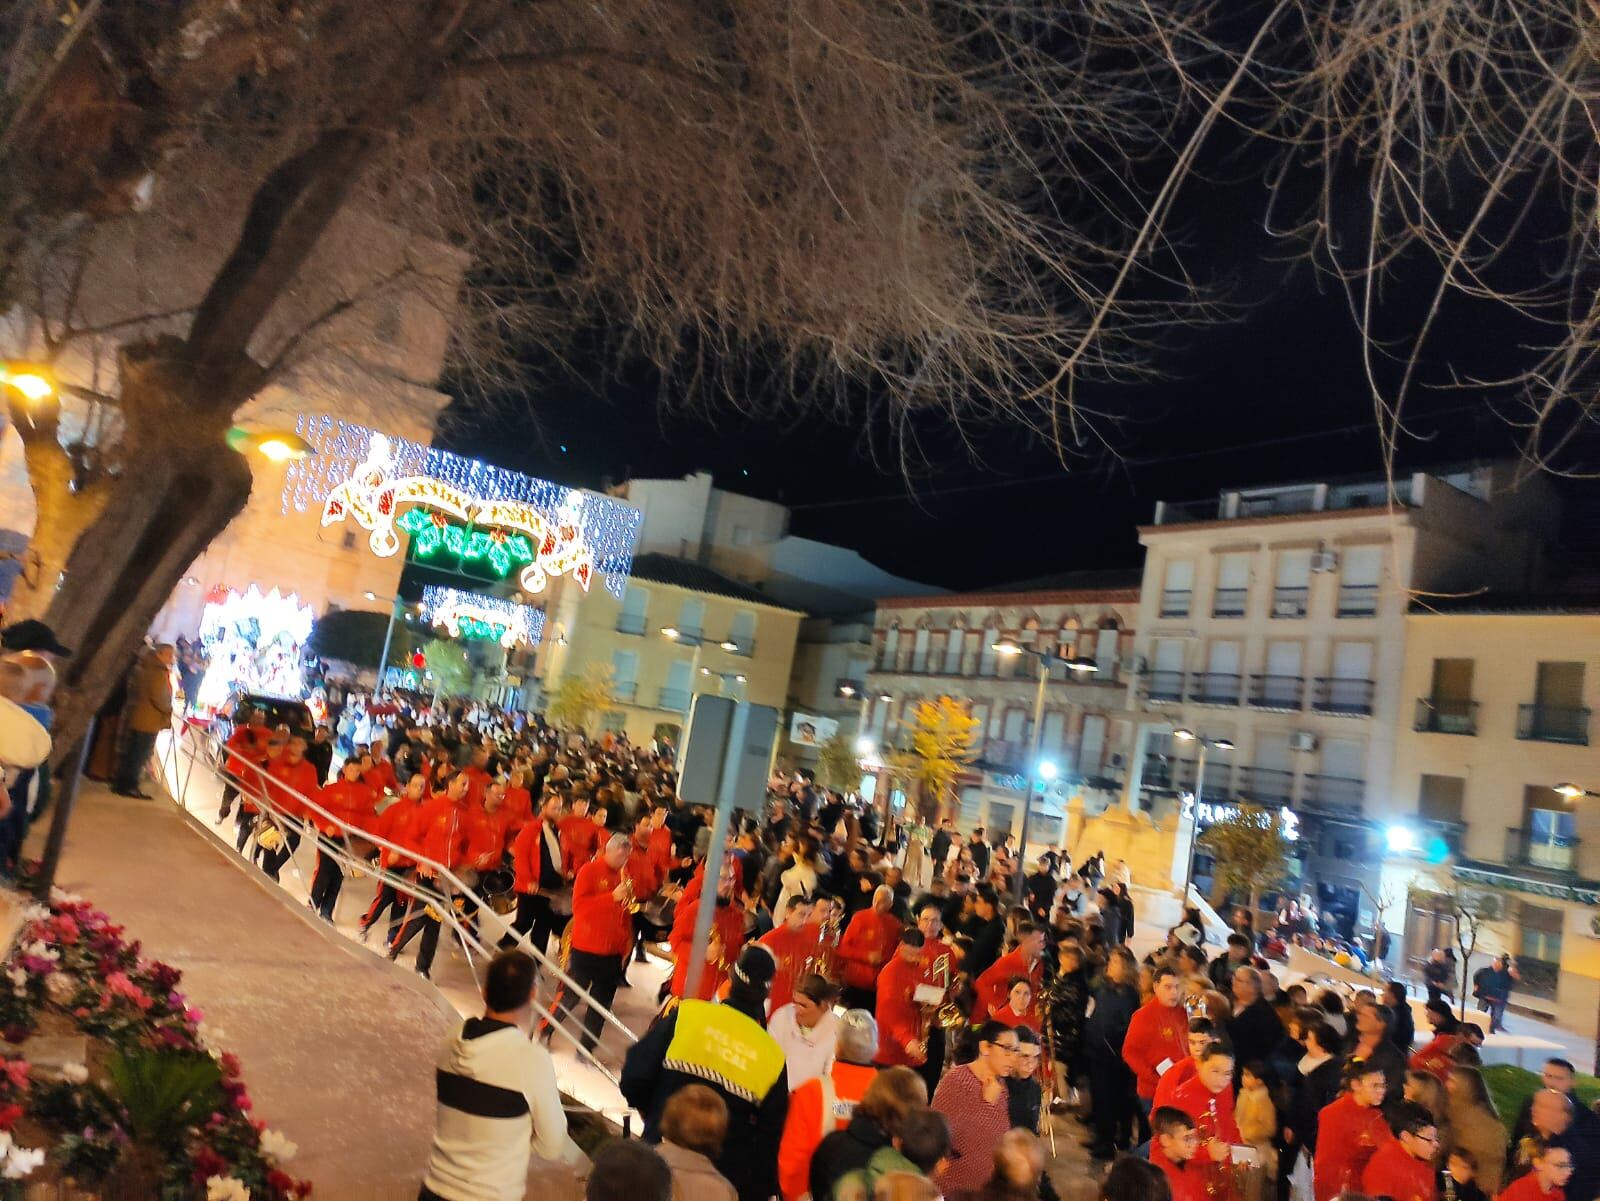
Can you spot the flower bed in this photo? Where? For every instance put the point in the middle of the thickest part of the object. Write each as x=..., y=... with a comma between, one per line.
x=152, y=1111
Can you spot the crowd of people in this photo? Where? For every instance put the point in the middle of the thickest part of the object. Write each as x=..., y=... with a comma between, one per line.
x=873, y=1007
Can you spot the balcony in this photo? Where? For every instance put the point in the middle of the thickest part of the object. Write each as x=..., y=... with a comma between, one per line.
x=1446, y=715
x=673, y=700
x=1175, y=602
x=1547, y=852
x=631, y=623
x=1230, y=602
x=1290, y=602
x=1167, y=773
x=1552, y=723
x=1298, y=498
x=1357, y=600
x=1283, y=693
x=1335, y=793
x=1210, y=688
x=624, y=691
x=1333, y=695
x=1266, y=785
x=1164, y=686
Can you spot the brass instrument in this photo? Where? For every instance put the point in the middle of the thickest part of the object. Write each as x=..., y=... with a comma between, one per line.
x=629, y=902
x=929, y=1008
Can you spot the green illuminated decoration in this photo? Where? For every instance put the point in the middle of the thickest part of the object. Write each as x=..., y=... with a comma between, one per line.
x=431, y=533
x=488, y=631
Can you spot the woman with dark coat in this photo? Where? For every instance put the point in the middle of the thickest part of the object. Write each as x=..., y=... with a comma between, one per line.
x=1110, y=1081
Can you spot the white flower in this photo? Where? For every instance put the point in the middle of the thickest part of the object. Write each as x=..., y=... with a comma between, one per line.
x=226, y=1188
x=277, y=1147
x=62, y=897
x=18, y=978
x=34, y=913
x=74, y=1073
x=60, y=986
x=41, y=950
x=22, y=1161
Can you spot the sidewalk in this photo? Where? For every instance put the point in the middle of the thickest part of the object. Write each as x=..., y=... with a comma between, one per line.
x=338, y=1048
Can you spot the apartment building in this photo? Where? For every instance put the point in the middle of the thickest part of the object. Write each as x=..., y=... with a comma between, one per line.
x=1494, y=767
x=1274, y=619
x=680, y=628
x=926, y=647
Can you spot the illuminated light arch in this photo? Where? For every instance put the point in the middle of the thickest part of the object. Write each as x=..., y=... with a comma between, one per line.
x=473, y=615
x=540, y=527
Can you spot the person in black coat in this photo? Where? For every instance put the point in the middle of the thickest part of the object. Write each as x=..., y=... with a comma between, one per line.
x=1404, y=1031
x=1066, y=1009
x=1039, y=892
x=1125, y=908
x=1111, y=927
x=1254, y=1028
x=939, y=850
x=875, y=1123
x=980, y=853
x=1110, y=1081
x=988, y=933
x=1315, y=1086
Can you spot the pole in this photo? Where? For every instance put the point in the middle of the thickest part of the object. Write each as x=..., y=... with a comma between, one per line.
x=388, y=634
x=1032, y=775
x=1194, y=822
x=708, y=895
x=56, y=840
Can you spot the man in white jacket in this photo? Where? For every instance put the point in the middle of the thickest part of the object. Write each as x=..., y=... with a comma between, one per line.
x=497, y=1097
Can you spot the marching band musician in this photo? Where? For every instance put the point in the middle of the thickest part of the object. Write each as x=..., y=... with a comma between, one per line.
x=902, y=1035
x=868, y=944
x=537, y=877
x=727, y=935
x=602, y=933
x=791, y=945
x=580, y=838
x=347, y=800
x=442, y=829
x=994, y=986
x=1207, y=1097
x=941, y=962
x=396, y=825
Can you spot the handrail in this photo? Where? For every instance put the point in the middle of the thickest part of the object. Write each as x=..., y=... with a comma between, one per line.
x=468, y=939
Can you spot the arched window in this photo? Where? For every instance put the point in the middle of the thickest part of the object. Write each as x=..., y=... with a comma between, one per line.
x=891, y=647
x=987, y=659
x=953, y=648
x=919, y=649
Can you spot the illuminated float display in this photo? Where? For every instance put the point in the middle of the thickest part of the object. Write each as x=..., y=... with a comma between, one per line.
x=254, y=643
x=474, y=616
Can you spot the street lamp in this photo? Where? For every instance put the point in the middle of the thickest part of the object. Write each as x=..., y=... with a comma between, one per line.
x=1079, y=666
x=276, y=446
x=1573, y=793
x=1206, y=744
x=31, y=381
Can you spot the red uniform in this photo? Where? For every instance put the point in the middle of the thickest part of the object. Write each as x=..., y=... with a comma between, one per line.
x=580, y=841
x=791, y=948
x=288, y=782
x=1187, y=1180
x=1008, y=1016
x=247, y=750
x=1395, y=1172
x=601, y=925
x=899, y=1017
x=641, y=870
x=526, y=860
x=660, y=849
x=1435, y=1058
x=868, y=943
x=1168, y=1084
x=351, y=803
x=1348, y=1135
x=478, y=782
x=398, y=824
x=380, y=777
x=995, y=983
x=442, y=830
x=1157, y=1032
x=728, y=923
x=486, y=837
x=1526, y=1188
x=518, y=806
x=1213, y=1119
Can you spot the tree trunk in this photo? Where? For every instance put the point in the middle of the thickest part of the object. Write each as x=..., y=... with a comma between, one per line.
x=180, y=487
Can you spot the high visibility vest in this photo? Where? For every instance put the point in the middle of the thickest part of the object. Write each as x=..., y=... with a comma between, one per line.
x=724, y=1047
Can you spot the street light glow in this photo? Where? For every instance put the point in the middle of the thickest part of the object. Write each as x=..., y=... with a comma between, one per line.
x=1005, y=648
x=1082, y=665
x=32, y=383
x=1572, y=792
x=370, y=594
x=1047, y=770
x=1184, y=735
x=864, y=746
x=728, y=644
x=672, y=632
x=740, y=679
x=886, y=697
x=846, y=690
x=1221, y=744
x=1401, y=839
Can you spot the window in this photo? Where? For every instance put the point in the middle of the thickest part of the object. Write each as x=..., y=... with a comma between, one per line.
x=1358, y=582
x=1557, y=713
x=692, y=617
x=624, y=673
x=1054, y=733
x=891, y=647
x=1015, y=729
x=1233, y=585
x=1282, y=685
x=986, y=653
x=1449, y=708
x=1341, y=775
x=1105, y=651
x=1440, y=798
x=919, y=650
x=1538, y=948
x=1219, y=683
x=1092, y=744
x=1177, y=588
x=980, y=714
x=743, y=632
x=952, y=651
x=1166, y=670
x=1291, y=587
x=635, y=603
x=1548, y=837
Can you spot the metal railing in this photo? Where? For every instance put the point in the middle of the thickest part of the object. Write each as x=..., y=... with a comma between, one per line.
x=1553, y=723
x=1284, y=693
x=1164, y=686
x=625, y=691
x=1266, y=785
x=1213, y=688
x=1333, y=792
x=1230, y=602
x=1333, y=695
x=198, y=748
x=1290, y=601
x=1357, y=600
x=631, y=623
x=1446, y=715
x=1175, y=602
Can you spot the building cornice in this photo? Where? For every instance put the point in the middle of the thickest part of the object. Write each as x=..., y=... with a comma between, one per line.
x=1177, y=527
x=1001, y=600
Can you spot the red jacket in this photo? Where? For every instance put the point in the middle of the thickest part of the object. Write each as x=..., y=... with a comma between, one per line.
x=806, y=1124
x=600, y=924
x=486, y=837
x=380, y=777
x=351, y=803
x=1213, y=1119
x=518, y=807
x=247, y=745
x=285, y=780
x=580, y=840
x=478, y=782
x=1395, y=1172
x=442, y=830
x=1168, y=1084
x=995, y=982
x=526, y=860
x=641, y=870
x=398, y=824
x=1526, y=1188
x=1156, y=1032
x=869, y=941
x=1348, y=1135
x=660, y=846
x=791, y=948
x=728, y=923
x=1435, y=1058
x=899, y=1017
x=1187, y=1181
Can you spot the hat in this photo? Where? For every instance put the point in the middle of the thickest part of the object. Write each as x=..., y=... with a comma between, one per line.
x=31, y=635
x=755, y=968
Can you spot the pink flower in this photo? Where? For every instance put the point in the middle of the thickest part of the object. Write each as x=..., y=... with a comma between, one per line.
x=16, y=1073
x=193, y=1016
x=118, y=984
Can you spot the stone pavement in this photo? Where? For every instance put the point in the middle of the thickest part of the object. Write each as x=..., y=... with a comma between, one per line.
x=337, y=1046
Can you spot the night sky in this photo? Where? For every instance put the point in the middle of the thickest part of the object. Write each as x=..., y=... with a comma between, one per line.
x=1276, y=395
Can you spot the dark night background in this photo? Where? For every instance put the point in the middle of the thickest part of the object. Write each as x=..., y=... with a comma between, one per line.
x=1277, y=394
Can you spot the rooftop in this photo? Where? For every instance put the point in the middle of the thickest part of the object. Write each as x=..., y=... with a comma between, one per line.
x=697, y=577
x=1061, y=588
x=1511, y=603
x=1334, y=495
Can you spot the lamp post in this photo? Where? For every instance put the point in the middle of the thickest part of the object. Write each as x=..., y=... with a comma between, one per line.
x=1206, y=744
x=395, y=606
x=31, y=381
x=1082, y=666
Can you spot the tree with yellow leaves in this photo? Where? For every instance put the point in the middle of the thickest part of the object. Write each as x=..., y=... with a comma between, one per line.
x=944, y=738
x=579, y=696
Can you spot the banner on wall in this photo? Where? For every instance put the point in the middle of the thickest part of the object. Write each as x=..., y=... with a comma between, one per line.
x=807, y=729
